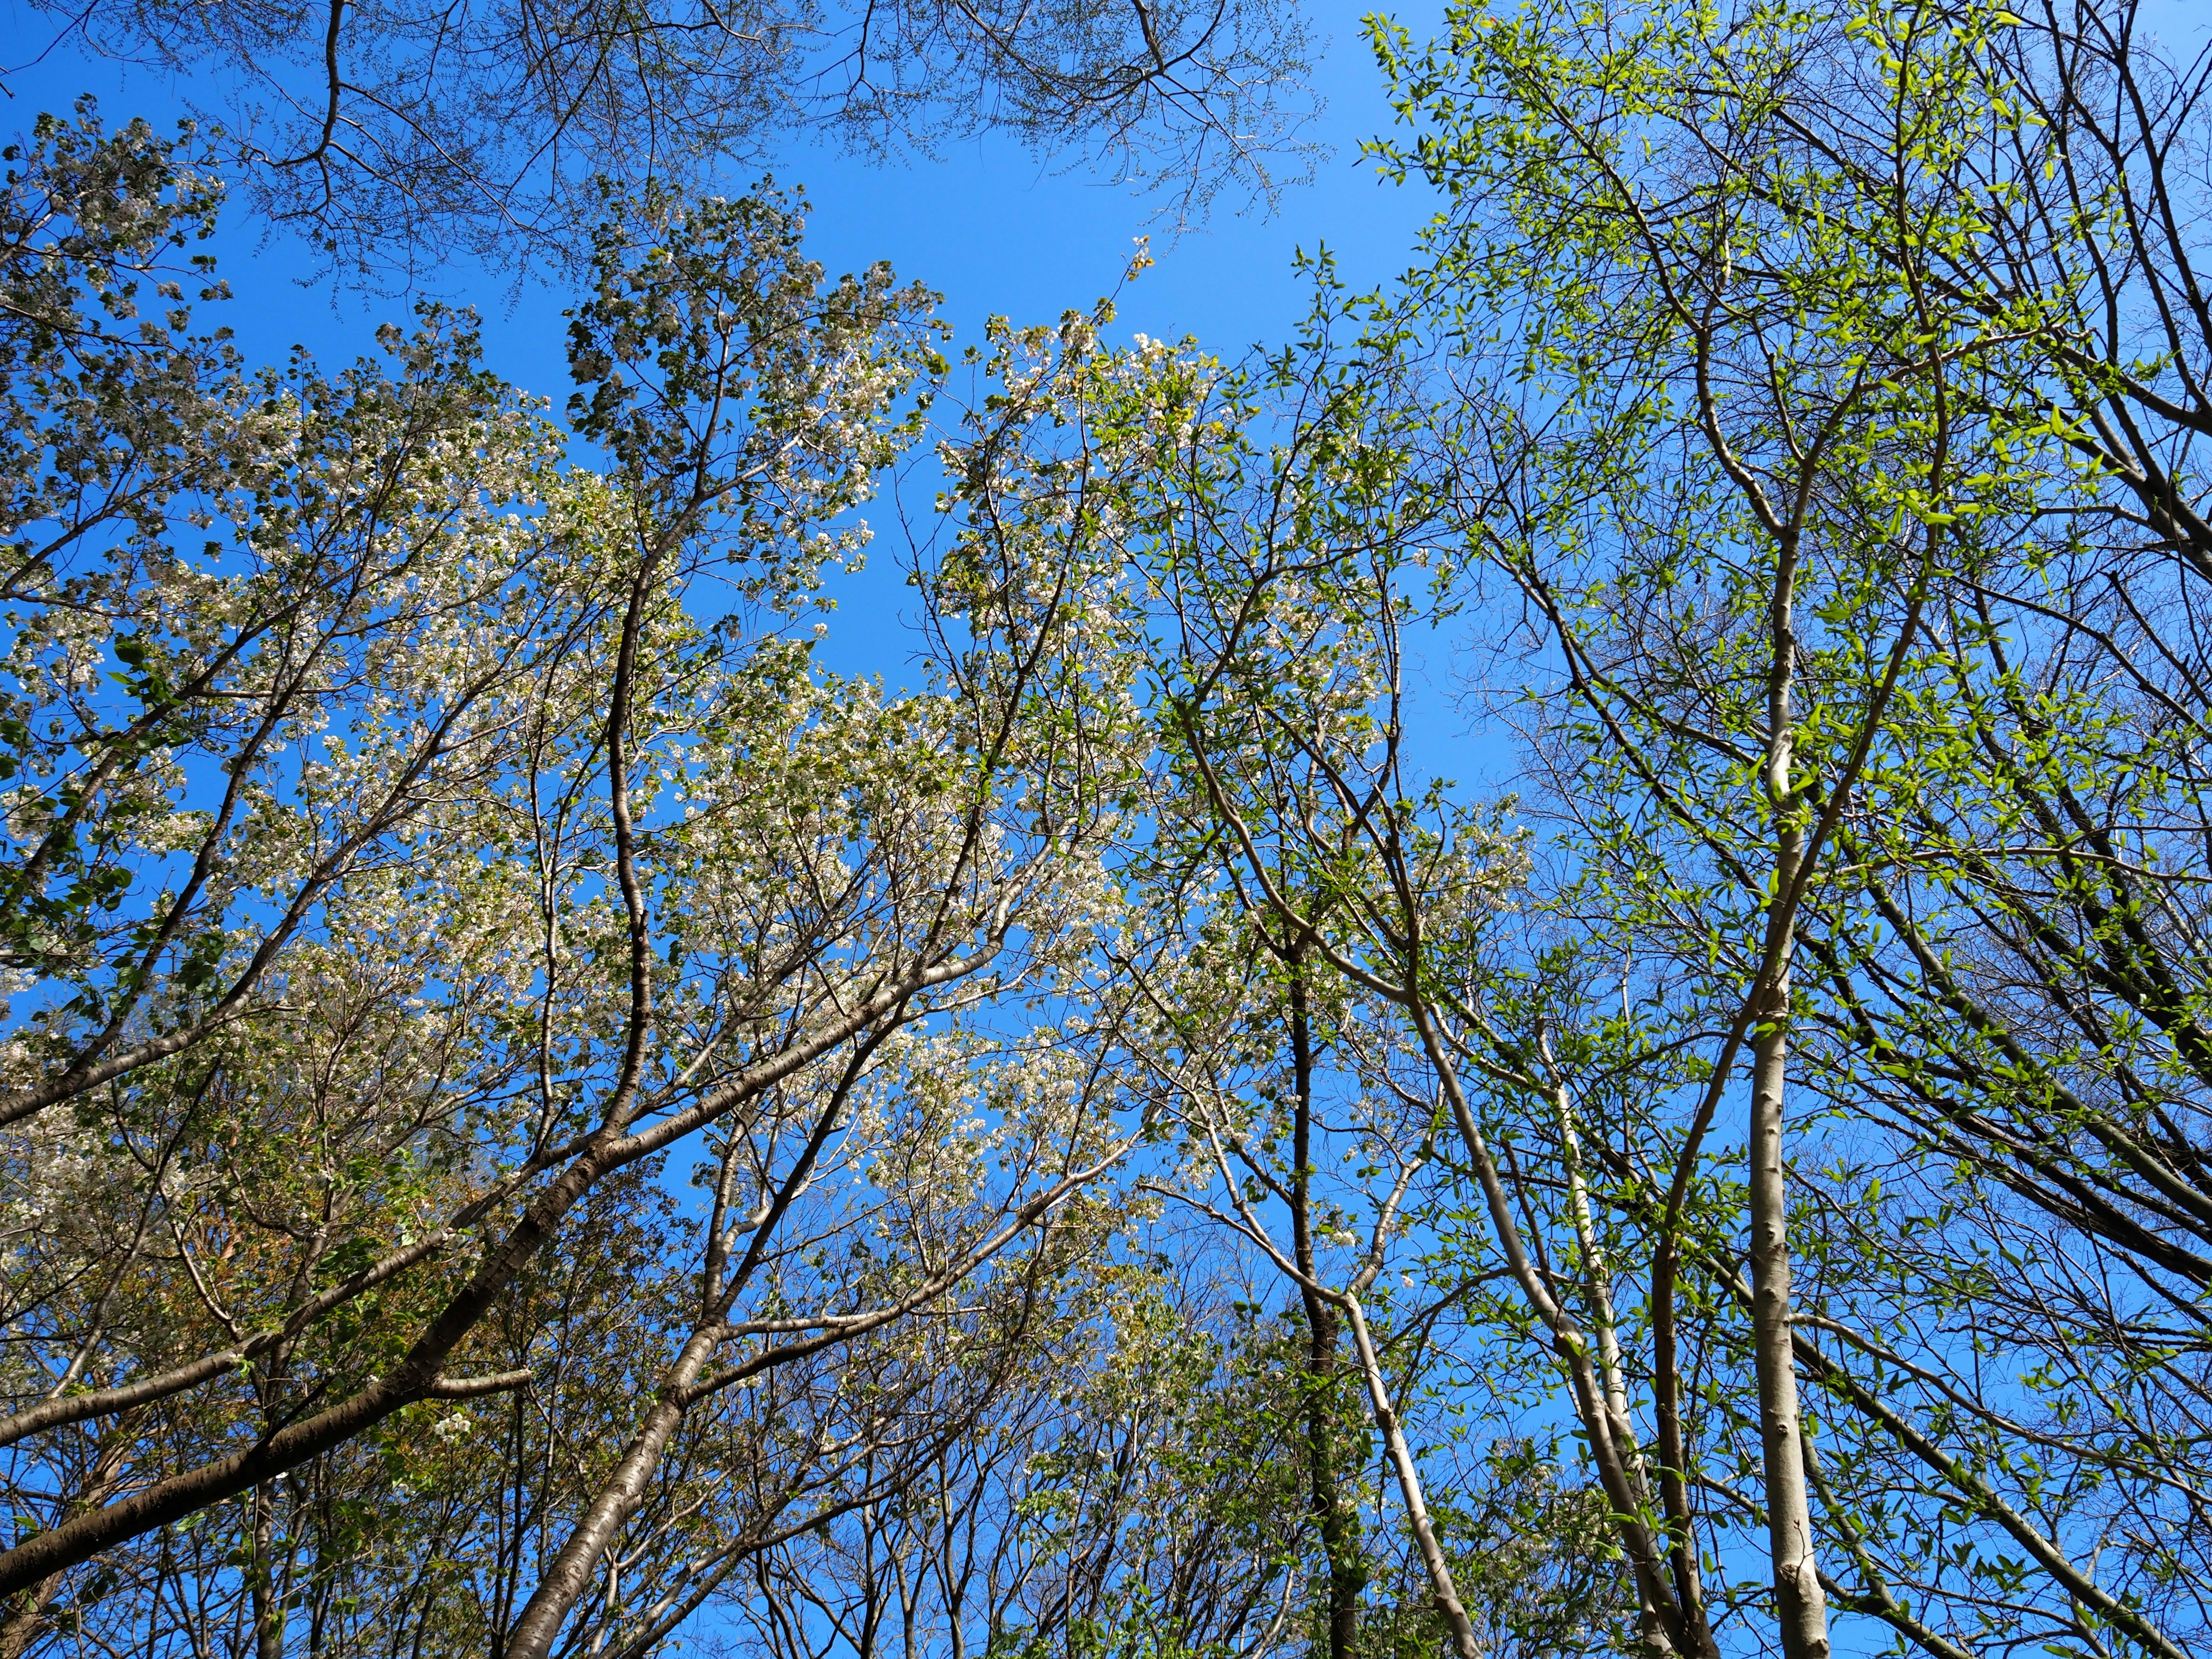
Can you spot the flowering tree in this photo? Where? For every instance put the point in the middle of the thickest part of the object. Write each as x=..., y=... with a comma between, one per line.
x=423, y=846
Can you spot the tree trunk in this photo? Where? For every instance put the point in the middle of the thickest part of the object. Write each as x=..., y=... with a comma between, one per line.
x=566, y=1580
x=1444, y=1593
x=1801, y=1606
x=268, y=1607
x=1347, y=1576
x=1800, y=1603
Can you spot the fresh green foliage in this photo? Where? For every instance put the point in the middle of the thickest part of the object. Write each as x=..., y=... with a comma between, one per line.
x=539, y=1120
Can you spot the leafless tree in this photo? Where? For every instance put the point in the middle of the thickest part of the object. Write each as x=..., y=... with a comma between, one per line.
x=388, y=133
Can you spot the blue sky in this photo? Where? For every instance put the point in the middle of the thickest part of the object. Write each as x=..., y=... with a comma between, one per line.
x=994, y=230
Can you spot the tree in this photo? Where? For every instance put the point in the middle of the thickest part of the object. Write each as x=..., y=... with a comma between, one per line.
x=1138, y=1111
x=1290, y=523
x=1296, y=548
x=1834, y=370
x=389, y=134
x=418, y=840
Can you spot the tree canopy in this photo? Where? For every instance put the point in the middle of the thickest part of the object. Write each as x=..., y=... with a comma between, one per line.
x=388, y=133
x=538, y=1118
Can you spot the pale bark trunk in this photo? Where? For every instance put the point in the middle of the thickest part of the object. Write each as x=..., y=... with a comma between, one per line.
x=1801, y=1606
x=268, y=1605
x=566, y=1580
x=1667, y=1629
x=1599, y=1281
x=1441, y=1587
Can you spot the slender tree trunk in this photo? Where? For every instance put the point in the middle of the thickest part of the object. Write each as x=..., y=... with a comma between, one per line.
x=1801, y=1606
x=1598, y=1286
x=1673, y=1493
x=1347, y=1577
x=1441, y=1587
x=565, y=1581
x=268, y=1608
